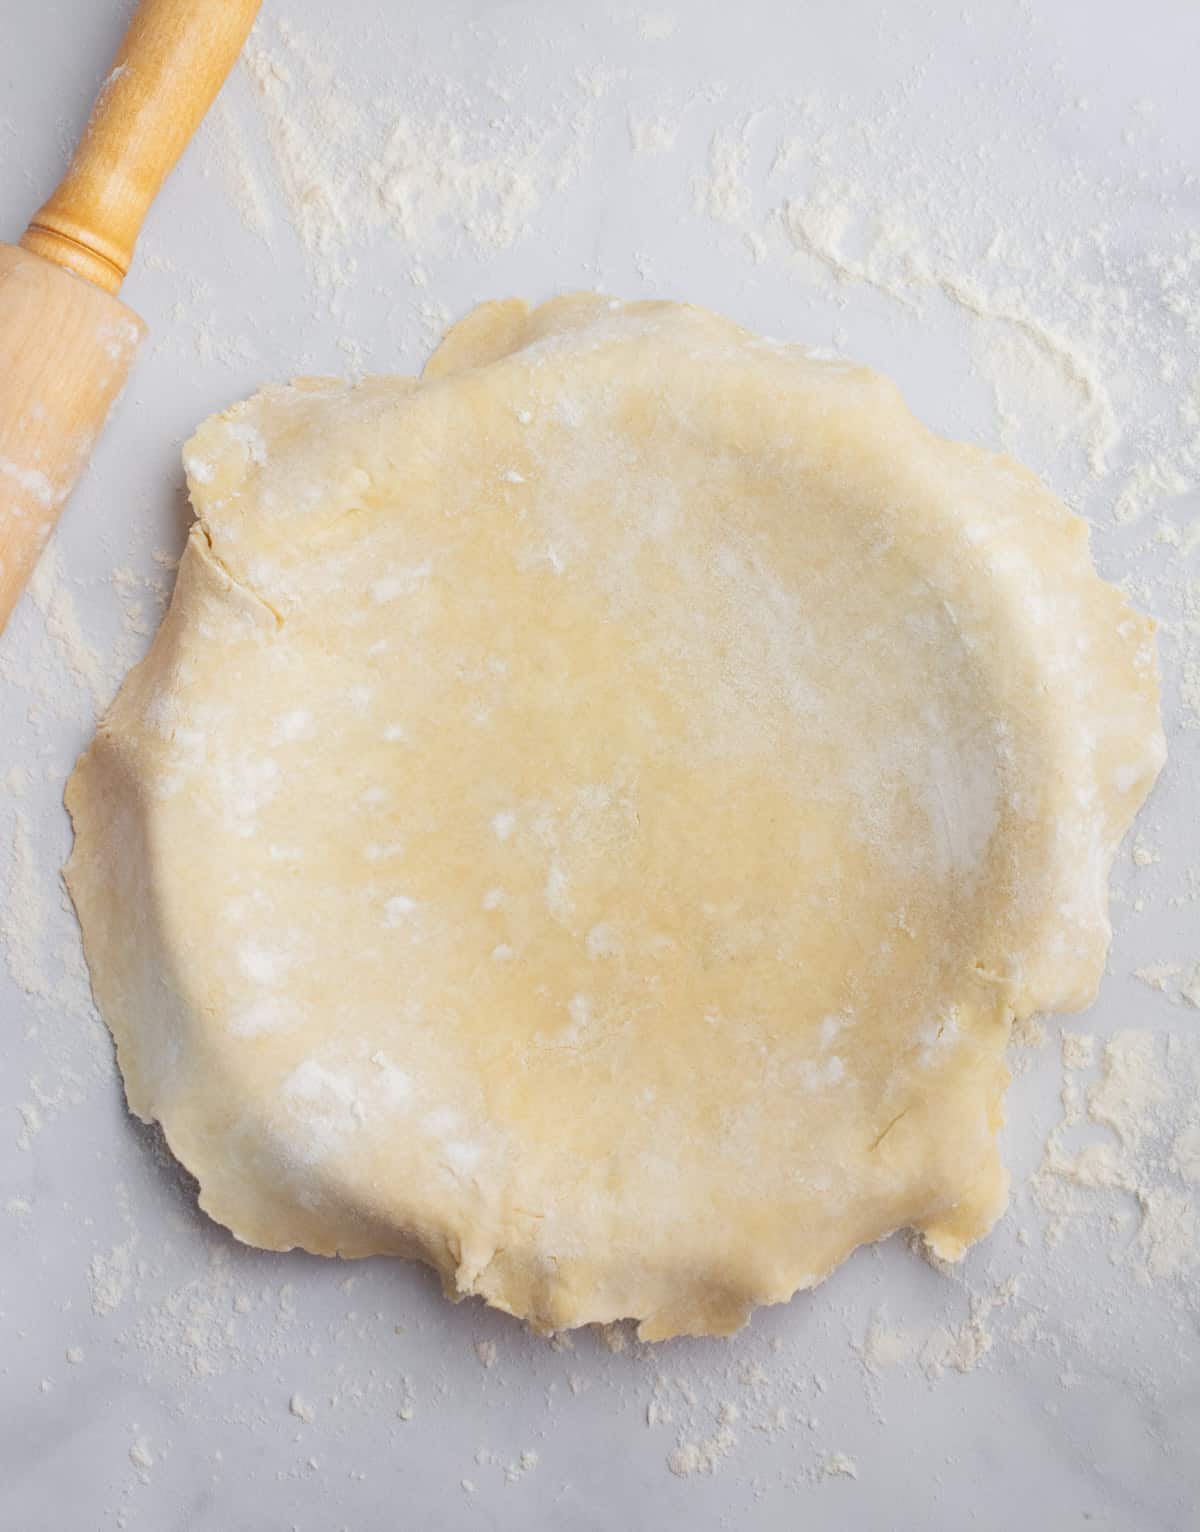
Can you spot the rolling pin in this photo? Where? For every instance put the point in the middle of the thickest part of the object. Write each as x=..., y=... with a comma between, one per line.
x=66, y=341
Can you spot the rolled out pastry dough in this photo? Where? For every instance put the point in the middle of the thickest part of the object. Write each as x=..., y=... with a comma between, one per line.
x=590, y=818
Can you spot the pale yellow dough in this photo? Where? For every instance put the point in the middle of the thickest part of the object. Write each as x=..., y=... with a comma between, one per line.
x=590, y=818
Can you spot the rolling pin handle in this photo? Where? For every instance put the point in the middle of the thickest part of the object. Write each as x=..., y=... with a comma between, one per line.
x=173, y=61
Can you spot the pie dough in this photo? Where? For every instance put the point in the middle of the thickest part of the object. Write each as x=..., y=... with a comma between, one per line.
x=590, y=818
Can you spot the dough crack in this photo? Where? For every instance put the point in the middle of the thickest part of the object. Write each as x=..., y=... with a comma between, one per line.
x=898, y=1117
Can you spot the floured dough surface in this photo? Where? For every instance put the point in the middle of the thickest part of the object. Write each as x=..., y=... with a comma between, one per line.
x=589, y=818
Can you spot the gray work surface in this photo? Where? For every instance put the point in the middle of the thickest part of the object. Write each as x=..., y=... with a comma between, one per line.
x=996, y=204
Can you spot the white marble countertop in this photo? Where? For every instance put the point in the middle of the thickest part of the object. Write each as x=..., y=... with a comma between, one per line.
x=997, y=204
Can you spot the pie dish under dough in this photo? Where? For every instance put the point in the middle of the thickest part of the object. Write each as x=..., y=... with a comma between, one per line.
x=590, y=818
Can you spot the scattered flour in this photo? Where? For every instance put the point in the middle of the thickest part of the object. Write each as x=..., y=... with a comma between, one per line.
x=838, y=1465
x=111, y=1276
x=227, y=155
x=25, y=914
x=959, y=1347
x=1145, y=1099
x=140, y=1454
x=652, y=132
x=512, y=1470
x=1131, y=1088
x=705, y=1456
x=427, y=171
x=1098, y=390
x=51, y=595
x=1078, y=1050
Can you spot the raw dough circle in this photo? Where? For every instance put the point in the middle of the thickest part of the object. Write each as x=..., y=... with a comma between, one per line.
x=589, y=819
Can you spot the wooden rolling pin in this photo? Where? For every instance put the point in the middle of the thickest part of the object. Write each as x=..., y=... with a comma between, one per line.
x=66, y=342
